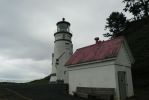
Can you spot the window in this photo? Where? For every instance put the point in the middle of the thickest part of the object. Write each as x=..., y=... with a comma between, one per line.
x=64, y=72
x=67, y=43
x=63, y=36
x=57, y=61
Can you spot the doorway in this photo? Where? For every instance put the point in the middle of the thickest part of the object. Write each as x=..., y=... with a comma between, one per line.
x=122, y=84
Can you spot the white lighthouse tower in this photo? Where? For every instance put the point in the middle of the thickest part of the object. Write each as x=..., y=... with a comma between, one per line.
x=63, y=49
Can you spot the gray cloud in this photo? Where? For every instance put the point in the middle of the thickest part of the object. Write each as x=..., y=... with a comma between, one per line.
x=23, y=69
x=27, y=28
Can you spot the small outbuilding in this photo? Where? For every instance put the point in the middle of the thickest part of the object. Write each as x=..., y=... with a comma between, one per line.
x=105, y=64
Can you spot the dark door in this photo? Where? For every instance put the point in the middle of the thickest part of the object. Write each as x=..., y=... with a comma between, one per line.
x=122, y=84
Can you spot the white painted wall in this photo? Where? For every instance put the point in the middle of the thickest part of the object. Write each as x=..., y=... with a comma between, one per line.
x=123, y=63
x=129, y=85
x=63, y=49
x=102, y=74
x=92, y=75
x=123, y=58
x=53, y=79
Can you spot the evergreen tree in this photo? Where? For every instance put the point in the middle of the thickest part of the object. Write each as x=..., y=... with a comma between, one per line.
x=139, y=8
x=116, y=23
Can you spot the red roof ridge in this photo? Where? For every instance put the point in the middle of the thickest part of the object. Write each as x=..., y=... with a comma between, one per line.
x=120, y=37
x=86, y=46
x=98, y=51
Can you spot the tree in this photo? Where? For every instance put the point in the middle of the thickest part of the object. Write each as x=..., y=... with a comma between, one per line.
x=139, y=8
x=116, y=23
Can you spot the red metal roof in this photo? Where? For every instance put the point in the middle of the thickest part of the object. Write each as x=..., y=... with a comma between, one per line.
x=99, y=51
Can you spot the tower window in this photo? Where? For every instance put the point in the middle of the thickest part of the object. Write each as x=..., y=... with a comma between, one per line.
x=67, y=43
x=52, y=54
x=63, y=36
x=57, y=61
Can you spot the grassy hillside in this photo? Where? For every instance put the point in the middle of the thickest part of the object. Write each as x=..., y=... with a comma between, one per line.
x=7, y=94
x=41, y=81
x=36, y=91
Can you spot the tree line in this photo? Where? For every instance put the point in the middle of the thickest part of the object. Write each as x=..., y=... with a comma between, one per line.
x=117, y=21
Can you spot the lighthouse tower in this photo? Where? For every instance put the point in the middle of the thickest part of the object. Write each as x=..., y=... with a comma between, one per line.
x=63, y=49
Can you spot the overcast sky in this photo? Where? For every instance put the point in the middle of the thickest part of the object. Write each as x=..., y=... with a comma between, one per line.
x=27, y=28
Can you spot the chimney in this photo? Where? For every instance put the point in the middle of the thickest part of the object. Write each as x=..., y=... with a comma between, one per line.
x=97, y=39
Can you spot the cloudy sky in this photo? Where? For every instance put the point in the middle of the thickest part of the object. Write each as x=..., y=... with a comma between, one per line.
x=27, y=28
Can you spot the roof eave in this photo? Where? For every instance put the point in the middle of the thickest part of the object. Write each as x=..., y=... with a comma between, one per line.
x=91, y=62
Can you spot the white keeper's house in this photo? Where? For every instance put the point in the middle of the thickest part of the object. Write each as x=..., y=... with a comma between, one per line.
x=104, y=64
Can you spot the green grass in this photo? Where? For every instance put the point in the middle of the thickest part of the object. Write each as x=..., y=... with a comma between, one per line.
x=7, y=94
x=38, y=91
x=41, y=81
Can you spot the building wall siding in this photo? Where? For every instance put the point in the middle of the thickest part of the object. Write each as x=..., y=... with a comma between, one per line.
x=102, y=74
x=123, y=58
x=129, y=85
x=62, y=52
x=98, y=76
x=123, y=63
